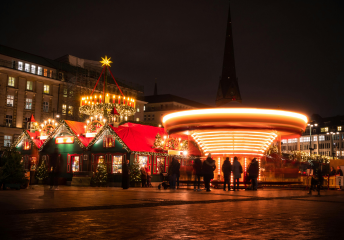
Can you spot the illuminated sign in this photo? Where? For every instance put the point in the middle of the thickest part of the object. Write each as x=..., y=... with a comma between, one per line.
x=43, y=137
x=64, y=140
x=91, y=135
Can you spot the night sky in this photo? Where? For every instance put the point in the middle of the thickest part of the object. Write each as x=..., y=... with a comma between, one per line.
x=289, y=54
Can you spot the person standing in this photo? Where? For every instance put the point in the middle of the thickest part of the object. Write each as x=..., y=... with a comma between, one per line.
x=226, y=169
x=208, y=171
x=332, y=171
x=237, y=171
x=317, y=178
x=125, y=175
x=253, y=172
x=54, y=169
x=177, y=172
x=172, y=172
x=143, y=176
x=197, y=171
x=339, y=171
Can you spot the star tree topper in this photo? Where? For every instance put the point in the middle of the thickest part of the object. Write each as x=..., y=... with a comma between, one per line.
x=106, y=61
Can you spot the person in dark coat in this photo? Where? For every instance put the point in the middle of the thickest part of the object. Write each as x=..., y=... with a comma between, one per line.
x=332, y=171
x=197, y=171
x=173, y=171
x=237, y=171
x=253, y=172
x=208, y=168
x=125, y=175
x=226, y=169
x=54, y=168
x=317, y=178
x=339, y=171
x=143, y=176
x=178, y=172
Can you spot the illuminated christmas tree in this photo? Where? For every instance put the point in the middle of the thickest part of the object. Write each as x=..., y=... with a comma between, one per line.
x=100, y=176
x=158, y=143
x=42, y=172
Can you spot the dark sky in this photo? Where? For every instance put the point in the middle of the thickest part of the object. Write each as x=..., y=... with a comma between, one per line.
x=288, y=53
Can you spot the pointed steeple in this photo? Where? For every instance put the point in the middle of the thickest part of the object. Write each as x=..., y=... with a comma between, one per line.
x=228, y=90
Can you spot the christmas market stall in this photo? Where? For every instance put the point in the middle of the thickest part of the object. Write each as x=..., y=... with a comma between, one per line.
x=29, y=143
x=71, y=139
x=152, y=148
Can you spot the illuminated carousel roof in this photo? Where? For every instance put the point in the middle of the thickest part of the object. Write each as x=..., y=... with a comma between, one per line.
x=237, y=131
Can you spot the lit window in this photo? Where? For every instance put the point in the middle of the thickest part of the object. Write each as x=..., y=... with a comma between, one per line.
x=326, y=129
x=26, y=144
x=29, y=85
x=27, y=67
x=28, y=104
x=109, y=141
x=64, y=109
x=9, y=120
x=70, y=93
x=45, y=72
x=284, y=141
x=10, y=99
x=339, y=128
x=138, y=110
x=46, y=89
x=45, y=106
x=70, y=110
x=144, y=108
x=314, y=138
x=65, y=92
x=137, y=119
x=20, y=66
x=7, y=141
x=117, y=164
x=39, y=70
x=143, y=161
x=33, y=69
x=76, y=164
x=11, y=81
x=125, y=118
x=51, y=73
x=322, y=138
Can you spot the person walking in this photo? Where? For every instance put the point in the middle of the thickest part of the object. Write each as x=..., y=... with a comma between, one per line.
x=226, y=169
x=197, y=171
x=208, y=168
x=125, y=175
x=237, y=171
x=253, y=172
x=143, y=176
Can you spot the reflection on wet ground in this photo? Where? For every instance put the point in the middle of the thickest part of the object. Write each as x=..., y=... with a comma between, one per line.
x=148, y=213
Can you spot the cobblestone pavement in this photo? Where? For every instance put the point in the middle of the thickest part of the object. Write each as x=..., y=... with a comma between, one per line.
x=81, y=212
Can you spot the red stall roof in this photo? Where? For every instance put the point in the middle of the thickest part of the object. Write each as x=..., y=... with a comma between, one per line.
x=141, y=138
x=78, y=129
x=35, y=138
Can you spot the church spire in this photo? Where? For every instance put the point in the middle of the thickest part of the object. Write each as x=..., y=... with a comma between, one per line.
x=228, y=90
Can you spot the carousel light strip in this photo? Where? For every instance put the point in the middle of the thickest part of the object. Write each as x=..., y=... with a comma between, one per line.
x=235, y=111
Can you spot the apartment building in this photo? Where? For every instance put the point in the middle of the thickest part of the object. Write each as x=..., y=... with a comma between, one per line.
x=31, y=84
x=323, y=137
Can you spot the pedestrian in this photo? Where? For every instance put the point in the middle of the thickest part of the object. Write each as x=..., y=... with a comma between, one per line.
x=226, y=169
x=173, y=171
x=197, y=171
x=208, y=168
x=237, y=171
x=55, y=166
x=332, y=171
x=253, y=172
x=178, y=172
x=125, y=175
x=143, y=176
x=339, y=171
x=317, y=178
x=149, y=176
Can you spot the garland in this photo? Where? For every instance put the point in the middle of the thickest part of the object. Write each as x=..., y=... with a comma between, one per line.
x=98, y=109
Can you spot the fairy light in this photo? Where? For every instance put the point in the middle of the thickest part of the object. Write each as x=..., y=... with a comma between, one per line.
x=259, y=169
x=218, y=166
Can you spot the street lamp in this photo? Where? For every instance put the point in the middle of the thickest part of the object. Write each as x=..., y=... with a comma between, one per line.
x=333, y=152
x=310, y=137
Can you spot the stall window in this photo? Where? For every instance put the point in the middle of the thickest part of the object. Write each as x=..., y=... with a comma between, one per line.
x=143, y=161
x=160, y=168
x=117, y=163
x=27, y=145
x=76, y=163
x=108, y=141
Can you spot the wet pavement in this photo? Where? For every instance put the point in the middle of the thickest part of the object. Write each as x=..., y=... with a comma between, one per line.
x=136, y=213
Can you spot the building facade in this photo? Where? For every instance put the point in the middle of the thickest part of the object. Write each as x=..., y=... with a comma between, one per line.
x=159, y=105
x=45, y=88
x=323, y=137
